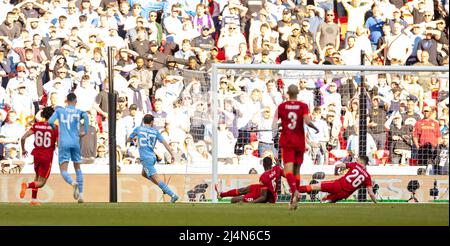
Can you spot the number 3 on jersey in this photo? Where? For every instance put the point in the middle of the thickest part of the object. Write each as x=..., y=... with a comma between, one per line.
x=355, y=178
x=293, y=117
x=43, y=139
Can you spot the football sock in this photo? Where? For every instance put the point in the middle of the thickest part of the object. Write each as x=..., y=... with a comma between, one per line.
x=31, y=185
x=297, y=180
x=165, y=188
x=79, y=179
x=67, y=177
x=234, y=192
x=34, y=192
x=291, y=182
x=304, y=189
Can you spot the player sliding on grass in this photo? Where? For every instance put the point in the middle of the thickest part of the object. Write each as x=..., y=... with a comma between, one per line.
x=69, y=119
x=265, y=191
x=147, y=137
x=293, y=114
x=342, y=188
x=44, y=145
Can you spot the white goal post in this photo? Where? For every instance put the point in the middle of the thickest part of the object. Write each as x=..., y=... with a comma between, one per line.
x=316, y=70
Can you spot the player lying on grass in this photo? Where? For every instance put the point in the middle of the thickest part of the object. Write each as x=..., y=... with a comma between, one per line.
x=265, y=191
x=147, y=137
x=44, y=145
x=342, y=188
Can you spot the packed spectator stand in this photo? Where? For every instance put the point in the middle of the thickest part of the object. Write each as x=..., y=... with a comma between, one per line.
x=164, y=53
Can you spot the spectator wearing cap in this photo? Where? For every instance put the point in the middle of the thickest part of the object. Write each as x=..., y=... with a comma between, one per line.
x=284, y=25
x=229, y=40
x=22, y=77
x=328, y=33
x=427, y=136
x=22, y=102
x=203, y=42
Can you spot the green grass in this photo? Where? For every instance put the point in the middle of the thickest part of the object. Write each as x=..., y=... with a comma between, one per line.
x=182, y=214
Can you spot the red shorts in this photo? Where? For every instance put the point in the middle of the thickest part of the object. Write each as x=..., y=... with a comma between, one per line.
x=254, y=193
x=292, y=155
x=43, y=166
x=335, y=192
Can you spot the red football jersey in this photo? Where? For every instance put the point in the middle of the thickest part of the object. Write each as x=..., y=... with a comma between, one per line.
x=271, y=179
x=44, y=139
x=292, y=134
x=355, y=177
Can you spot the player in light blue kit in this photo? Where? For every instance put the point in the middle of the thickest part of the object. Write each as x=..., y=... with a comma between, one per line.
x=147, y=136
x=69, y=141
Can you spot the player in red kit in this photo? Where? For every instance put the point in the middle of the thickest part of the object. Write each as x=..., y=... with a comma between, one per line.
x=44, y=144
x=265, y=191
x=342, y=188
x=293, y=115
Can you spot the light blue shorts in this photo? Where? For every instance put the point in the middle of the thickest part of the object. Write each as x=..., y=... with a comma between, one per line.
x=149, y=166
x=70, y=153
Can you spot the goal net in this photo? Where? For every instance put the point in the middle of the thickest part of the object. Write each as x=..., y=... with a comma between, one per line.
x=397, y=116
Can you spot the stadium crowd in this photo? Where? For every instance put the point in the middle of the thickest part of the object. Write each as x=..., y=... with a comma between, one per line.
x=164, y=51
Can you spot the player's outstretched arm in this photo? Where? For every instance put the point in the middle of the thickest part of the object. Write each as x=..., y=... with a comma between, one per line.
x=371, y=194
x=262, y=198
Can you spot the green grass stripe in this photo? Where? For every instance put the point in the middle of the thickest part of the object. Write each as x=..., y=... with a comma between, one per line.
x=183, y=214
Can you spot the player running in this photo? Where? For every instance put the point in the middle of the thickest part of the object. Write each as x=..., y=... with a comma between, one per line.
x=147, y=137
x=342, y=188
x=44, y=145
x=69, y=141
x=265, y=191
x=293, y=114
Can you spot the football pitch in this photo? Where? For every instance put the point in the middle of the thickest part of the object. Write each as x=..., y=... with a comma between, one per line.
x=204, y=214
